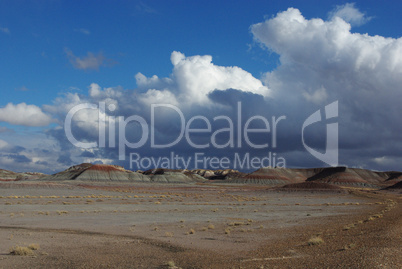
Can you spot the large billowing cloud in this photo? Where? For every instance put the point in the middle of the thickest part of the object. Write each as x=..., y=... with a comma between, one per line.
x=191, y=89
x=195, y=77
x=23, y=114
x=320, y=62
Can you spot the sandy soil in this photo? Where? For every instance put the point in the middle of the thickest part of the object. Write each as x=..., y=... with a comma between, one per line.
x=94, y=225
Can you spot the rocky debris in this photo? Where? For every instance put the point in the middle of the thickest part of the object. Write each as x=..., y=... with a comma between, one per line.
x=310, y=185
x=172, y=176
x=218, y=174
x=272, y=176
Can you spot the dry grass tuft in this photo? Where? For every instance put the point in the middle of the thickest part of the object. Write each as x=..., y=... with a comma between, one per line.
x=347, y=247
x=61, y=212
x=21, y=251
x=315, y=240
x=34, y=246
x=169, y=234
x=172, y=265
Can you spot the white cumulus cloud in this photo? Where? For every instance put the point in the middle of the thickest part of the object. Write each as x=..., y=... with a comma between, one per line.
x=23, y=114
x=194, y=77
x=350, y=14
x=323, y=61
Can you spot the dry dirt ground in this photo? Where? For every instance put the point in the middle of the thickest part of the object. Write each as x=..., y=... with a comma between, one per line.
x=99, y=225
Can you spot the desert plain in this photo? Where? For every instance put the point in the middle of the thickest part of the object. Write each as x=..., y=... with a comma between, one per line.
x=73, y=224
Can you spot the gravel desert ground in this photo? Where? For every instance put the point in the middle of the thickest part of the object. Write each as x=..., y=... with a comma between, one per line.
x=203, y=225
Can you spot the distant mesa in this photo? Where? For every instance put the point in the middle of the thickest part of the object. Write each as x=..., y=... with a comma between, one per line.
x=332, y=175
x=6, y=175
x=288, y=177
x=97, y=172
x=272, y=176
x=104, y=172
x=396, y=187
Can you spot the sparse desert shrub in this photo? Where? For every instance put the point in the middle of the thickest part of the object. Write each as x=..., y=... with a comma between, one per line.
x=211, y=226
x=348, y=227
x=369, y=219
x=62, y=212
x=21, y=251
x=350, y=246
x=204, y=229
x=33, y=246
x=315, y=240
x=192, y=231
x=169, y=234
x=171, y=265
x=227, y=231
x=236, y=223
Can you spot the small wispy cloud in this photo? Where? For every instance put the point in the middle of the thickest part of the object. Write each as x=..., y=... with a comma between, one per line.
x=22, y=89
x=4, y=30
x=4, y=129
x=141, y=6
x=89, y=62
x=349, y=13
x=83, y=31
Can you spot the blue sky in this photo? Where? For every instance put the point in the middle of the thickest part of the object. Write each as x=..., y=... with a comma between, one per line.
x=51, y=51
